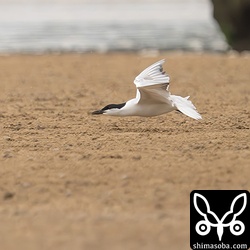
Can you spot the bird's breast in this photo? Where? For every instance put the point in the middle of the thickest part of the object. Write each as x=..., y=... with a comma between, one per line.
x=148, y=110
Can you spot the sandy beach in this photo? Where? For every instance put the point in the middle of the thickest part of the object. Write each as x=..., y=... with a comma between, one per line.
x=70, y=180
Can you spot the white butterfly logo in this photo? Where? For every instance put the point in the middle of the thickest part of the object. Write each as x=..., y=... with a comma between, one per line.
x=203, y=227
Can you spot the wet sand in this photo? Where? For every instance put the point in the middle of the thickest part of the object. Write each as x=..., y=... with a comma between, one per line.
x=70, y=180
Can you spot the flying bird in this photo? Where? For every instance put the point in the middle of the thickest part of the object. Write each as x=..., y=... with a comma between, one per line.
x=152, y=97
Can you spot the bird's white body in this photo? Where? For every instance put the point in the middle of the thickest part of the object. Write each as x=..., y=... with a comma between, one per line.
x=152, y=97
x=134, y=108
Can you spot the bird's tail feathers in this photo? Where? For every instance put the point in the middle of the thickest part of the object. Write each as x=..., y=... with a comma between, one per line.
x=185, y=106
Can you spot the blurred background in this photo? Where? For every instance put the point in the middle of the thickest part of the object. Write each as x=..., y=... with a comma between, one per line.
x=38, y=26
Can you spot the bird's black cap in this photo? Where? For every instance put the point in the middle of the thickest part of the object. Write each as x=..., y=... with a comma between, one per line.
x=110, y=106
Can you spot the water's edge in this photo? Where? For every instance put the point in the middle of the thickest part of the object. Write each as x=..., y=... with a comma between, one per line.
x=105, y=27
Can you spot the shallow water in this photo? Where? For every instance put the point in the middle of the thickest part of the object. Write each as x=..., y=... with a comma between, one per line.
x=36, y=26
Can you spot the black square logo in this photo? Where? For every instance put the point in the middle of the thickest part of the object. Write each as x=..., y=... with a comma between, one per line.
x=219, y=219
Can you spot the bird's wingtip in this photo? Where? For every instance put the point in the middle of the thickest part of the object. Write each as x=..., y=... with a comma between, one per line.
x=162, y=61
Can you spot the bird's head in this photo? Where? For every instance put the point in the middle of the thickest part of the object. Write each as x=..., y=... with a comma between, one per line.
x=111, y=109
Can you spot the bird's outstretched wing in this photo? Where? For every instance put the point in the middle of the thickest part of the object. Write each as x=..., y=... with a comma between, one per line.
x=152, y=75
x=152, y=84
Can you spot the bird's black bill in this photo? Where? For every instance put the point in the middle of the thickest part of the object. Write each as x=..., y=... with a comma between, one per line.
x=98, y=112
